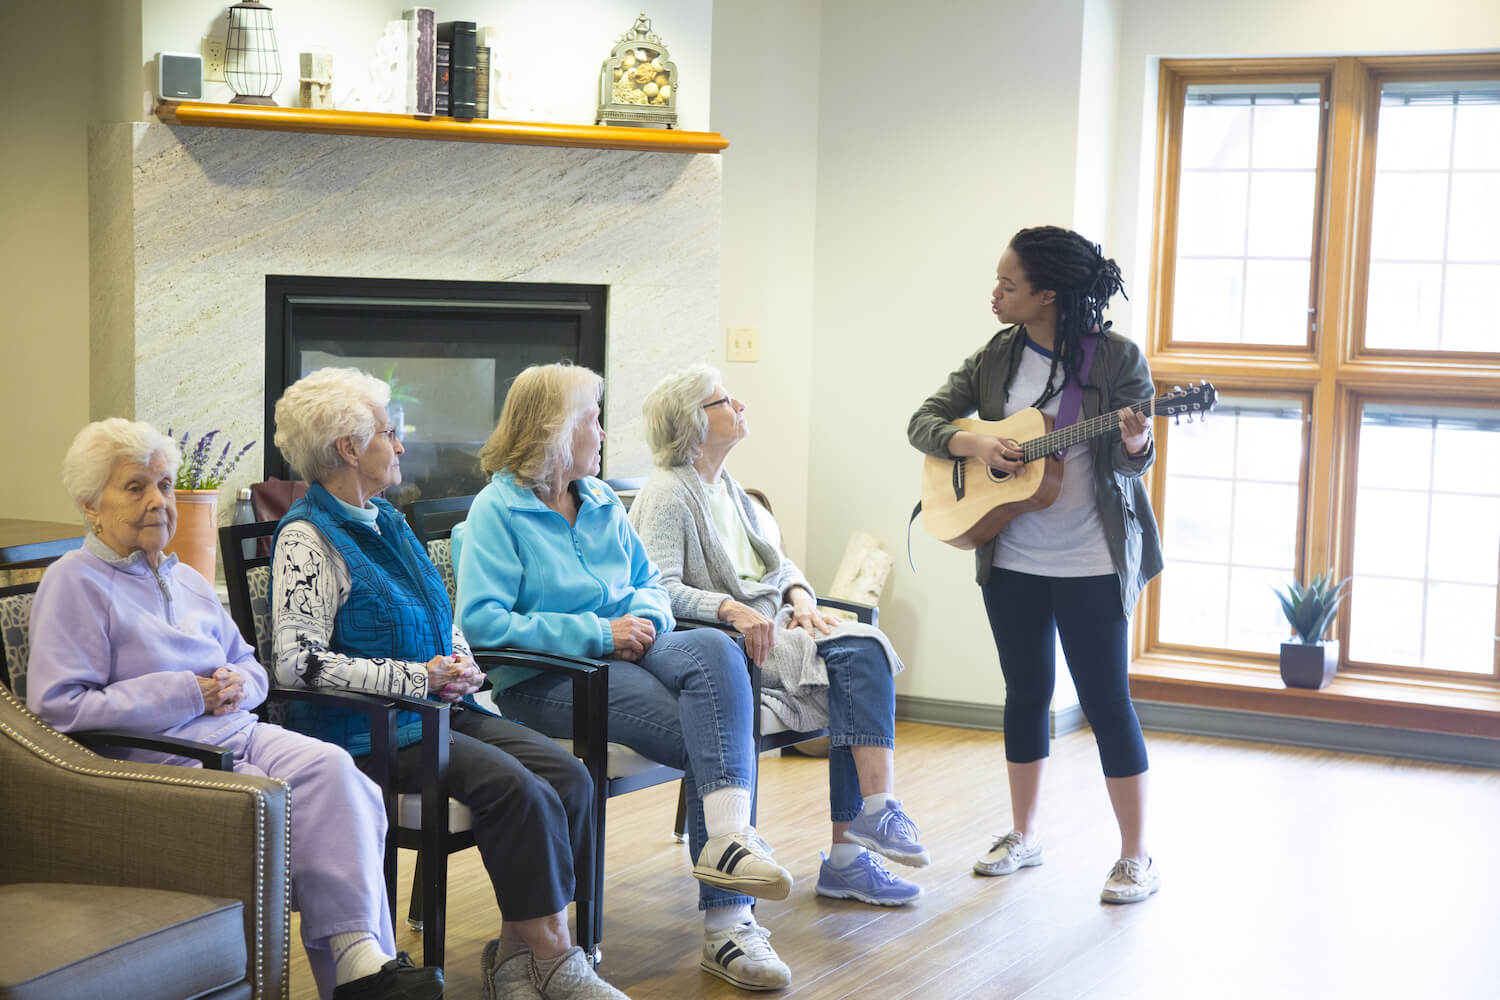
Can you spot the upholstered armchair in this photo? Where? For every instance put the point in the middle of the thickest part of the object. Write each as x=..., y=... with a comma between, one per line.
x=122, y=879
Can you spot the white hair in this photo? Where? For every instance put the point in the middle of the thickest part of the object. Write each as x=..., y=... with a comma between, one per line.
x=101, y=445
x=676, y=423
x=321, y=407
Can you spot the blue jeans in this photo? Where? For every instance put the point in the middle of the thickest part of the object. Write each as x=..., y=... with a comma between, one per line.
x=686, y=704
x=861, y=712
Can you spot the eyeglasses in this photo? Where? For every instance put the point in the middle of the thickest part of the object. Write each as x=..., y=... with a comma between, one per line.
x=725, y=399
x=394, y=433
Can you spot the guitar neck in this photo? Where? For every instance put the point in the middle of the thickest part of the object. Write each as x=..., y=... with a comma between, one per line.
x=1084, y=430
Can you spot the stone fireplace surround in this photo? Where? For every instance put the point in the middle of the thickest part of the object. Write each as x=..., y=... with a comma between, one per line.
x=185, y=223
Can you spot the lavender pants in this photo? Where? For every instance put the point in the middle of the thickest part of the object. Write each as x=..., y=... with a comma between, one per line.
x=338, y=837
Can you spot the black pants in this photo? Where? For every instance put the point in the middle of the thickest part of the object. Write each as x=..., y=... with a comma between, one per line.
x=1028, y=614
x=533, y=811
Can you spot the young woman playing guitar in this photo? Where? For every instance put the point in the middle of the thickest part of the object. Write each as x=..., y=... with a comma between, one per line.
x=1072, y=569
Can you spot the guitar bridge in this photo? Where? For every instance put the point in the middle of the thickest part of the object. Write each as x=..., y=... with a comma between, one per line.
x=958, y=479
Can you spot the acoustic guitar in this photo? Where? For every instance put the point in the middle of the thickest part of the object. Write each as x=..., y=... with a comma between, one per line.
x=966, y=503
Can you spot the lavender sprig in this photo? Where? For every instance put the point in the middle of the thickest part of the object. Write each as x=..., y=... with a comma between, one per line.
x=199, y=469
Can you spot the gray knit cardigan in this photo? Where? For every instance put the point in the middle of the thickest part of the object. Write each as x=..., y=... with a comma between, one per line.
x=671, y=515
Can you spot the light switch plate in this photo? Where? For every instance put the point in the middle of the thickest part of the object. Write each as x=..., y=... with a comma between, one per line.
x=743, y=344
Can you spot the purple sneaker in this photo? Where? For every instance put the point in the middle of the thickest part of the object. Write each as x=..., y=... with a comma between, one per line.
x=890, y=832
x=866, y=880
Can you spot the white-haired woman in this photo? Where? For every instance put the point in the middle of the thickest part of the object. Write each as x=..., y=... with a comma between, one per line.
x=123, y=637
x=720, y=558
x=356, y=603
x=547, y=560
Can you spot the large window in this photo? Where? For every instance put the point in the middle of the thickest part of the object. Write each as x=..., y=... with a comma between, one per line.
x=1325, y=253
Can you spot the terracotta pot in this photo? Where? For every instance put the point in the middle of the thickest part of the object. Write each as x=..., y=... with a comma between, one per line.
x=196, y=542
x=1309, y=666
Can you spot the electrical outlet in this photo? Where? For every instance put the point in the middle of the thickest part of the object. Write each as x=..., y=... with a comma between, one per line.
x=743, y=344
x=213, y=60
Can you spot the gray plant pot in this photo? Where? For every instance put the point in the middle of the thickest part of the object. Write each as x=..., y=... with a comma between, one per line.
x=1309, y=666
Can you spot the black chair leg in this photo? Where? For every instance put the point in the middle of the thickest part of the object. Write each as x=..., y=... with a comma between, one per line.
x=434, y=902
x=414, y=910
x=679, y=829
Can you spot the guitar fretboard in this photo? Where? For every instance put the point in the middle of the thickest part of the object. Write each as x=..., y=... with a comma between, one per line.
x=1085, y=430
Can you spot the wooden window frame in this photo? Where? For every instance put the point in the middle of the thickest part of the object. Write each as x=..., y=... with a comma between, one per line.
x=1334, y=371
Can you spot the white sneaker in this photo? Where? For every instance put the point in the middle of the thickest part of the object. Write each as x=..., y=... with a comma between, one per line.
x=1007, y=854
x=1130, y=882
x=741, y=862
x=743, y=956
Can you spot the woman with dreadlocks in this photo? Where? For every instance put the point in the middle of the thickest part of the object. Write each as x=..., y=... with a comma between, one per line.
x=1071, y=570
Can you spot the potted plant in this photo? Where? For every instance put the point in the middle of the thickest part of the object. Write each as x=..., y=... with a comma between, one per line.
x=1310, y=661
x=197, y=490
x=400, y=396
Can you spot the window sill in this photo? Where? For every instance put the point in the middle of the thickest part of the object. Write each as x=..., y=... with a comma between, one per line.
x=1459, y=708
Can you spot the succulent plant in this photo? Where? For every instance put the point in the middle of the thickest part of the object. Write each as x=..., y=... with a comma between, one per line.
x=1309, y=609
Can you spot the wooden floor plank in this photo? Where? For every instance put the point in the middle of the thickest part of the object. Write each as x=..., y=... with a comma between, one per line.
x=1286, y=873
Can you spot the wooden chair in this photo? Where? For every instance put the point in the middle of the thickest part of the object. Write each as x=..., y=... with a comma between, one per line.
x=429, y=822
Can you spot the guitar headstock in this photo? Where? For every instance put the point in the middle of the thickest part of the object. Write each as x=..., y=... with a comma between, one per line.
x=1200, y=398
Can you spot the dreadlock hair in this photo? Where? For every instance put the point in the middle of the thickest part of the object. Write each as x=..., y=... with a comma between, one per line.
x=1082, y=279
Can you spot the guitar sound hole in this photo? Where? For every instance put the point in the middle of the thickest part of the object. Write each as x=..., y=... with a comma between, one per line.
x=998, y=475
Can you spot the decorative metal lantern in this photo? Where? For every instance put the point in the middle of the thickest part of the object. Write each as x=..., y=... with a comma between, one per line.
x=252, y=66
x=638, y=84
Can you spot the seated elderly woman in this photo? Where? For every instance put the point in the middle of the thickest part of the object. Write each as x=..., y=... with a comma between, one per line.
x=720, y=558
x=547, y=560
x=124, y=637
x=356, y=603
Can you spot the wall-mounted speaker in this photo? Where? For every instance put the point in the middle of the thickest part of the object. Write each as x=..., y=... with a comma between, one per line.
x=179, y=76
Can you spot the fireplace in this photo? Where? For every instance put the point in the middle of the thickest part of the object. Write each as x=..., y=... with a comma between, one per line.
x=449, y=350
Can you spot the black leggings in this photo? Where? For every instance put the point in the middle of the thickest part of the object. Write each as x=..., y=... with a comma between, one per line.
x=1027, y=615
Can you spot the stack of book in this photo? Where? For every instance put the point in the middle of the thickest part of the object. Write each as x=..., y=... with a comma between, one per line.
x=447, y=71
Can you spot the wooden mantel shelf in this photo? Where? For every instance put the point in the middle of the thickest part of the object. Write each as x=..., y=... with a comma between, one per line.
x=653, y=140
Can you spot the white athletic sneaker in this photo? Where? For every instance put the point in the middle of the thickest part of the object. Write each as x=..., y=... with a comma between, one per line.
x=1007, y=854
x=1130, y=882
x=741, y=862
x=742, y=955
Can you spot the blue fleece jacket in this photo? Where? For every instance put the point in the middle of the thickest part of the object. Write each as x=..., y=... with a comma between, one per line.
x=528, y=579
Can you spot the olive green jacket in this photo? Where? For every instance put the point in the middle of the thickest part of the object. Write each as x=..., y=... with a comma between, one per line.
x=982, y=384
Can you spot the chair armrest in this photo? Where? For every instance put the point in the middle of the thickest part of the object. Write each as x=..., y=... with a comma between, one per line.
x=685, y=623
x=590, y=679
x=867, y=613
x=211, y=757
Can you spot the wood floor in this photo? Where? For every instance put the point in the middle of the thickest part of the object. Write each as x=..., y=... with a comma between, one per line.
x=1286, y=873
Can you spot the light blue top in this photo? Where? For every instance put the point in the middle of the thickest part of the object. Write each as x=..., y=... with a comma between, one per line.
x=528, y=579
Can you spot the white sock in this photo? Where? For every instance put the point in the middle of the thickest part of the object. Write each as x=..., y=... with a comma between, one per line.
x=726, y=810
x=876, y=802
x=842, y=854
x=356, y=954
x=721, y=918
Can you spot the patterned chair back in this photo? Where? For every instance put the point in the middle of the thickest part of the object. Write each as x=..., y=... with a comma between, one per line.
x=15, y=636
x=440, y=551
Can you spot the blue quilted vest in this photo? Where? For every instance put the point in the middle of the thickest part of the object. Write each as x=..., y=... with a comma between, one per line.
x=397, y=608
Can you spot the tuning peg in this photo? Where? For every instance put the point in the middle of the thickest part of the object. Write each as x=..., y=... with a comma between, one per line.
x=1177, y=388
x=1176, y=419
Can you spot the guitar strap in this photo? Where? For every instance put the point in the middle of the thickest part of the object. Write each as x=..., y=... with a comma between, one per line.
x=1071, y=403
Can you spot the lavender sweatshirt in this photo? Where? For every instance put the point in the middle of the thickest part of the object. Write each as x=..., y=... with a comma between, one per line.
x=118, y=645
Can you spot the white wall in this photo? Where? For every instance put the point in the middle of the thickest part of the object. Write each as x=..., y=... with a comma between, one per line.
x=553, y=49
x=943, y=130
x=1156, y=29
x=766, y=76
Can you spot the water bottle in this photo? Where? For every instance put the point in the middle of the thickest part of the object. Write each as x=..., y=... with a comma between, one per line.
x=244, y=513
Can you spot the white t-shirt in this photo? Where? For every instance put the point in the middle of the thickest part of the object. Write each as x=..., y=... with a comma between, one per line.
x=731, y=529
x=1067, y=538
